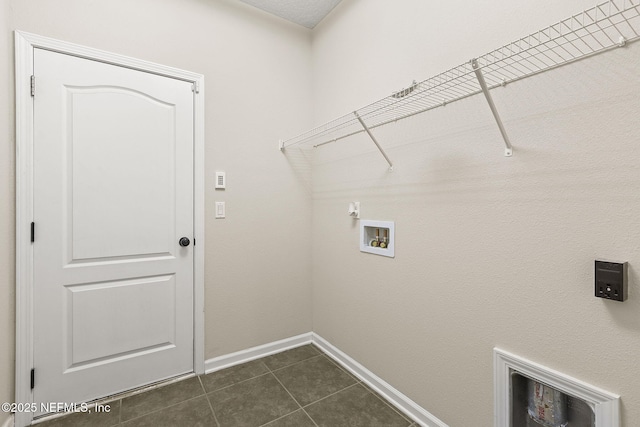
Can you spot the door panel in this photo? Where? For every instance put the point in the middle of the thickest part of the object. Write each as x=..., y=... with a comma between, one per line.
x=93, y=336
x=126, y=219
x=113, y=193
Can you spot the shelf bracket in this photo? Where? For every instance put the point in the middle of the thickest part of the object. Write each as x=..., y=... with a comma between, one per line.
x=373, y=138
x=508, y=151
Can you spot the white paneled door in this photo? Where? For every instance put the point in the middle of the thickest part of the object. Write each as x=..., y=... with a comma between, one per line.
x=113, y=198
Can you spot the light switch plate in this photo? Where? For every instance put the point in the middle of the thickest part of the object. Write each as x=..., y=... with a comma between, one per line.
x=220, y=210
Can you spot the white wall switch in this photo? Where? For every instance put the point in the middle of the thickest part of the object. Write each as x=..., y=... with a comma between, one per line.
x=221, y=180
x=220, y=210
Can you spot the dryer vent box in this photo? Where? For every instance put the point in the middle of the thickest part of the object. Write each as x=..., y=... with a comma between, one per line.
x=611, y=280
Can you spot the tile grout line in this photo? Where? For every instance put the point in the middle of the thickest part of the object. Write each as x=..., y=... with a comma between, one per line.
x=332, y=394
x=161, y=409
x=295, y=363
x=370, y=390
x=312, y=420
x=272, y=371
x=335, y=362
x=236, y=383
x=285, y=389
x=320, y=353
x=294, y=399
x=209, y=402
x=291, y=413
x=166, y=386
x=410, y=422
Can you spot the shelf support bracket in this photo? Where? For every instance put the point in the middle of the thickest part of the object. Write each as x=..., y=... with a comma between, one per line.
x=508, y=151
x=373, y=138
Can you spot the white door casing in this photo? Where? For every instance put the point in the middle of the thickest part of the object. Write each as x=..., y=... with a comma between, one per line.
x=106, y=298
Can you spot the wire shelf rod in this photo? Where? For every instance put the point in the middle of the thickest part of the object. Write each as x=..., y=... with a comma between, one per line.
x=375, y=141
x=508, y=148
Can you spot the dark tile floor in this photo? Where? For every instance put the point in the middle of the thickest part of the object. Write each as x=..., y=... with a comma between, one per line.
x=296, y=388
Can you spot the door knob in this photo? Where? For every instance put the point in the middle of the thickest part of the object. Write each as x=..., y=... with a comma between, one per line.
x=184, y=241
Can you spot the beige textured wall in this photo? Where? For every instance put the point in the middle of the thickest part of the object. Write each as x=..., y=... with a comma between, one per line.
x=490, y=251
x=257, y=73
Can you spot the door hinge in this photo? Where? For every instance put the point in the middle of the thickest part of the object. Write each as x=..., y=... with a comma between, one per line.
x=33, y=232
x=33, y=85
x=195, y=87
x=33, y=378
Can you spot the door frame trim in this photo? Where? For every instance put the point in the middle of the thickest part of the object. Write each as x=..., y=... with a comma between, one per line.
x=25, y=43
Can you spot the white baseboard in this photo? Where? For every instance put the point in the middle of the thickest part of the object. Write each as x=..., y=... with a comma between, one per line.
x=9, y=422
x=243, y=356
x=399, y=400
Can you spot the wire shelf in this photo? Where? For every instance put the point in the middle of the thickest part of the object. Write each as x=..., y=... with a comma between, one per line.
x=605, y=26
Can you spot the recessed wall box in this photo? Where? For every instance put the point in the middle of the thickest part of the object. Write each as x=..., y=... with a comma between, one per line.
x=537, y=404
x=611, y=280
x=530, y=394
x=378, y=237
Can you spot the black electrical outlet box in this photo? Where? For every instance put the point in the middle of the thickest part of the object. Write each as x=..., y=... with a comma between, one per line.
x=611, y=280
